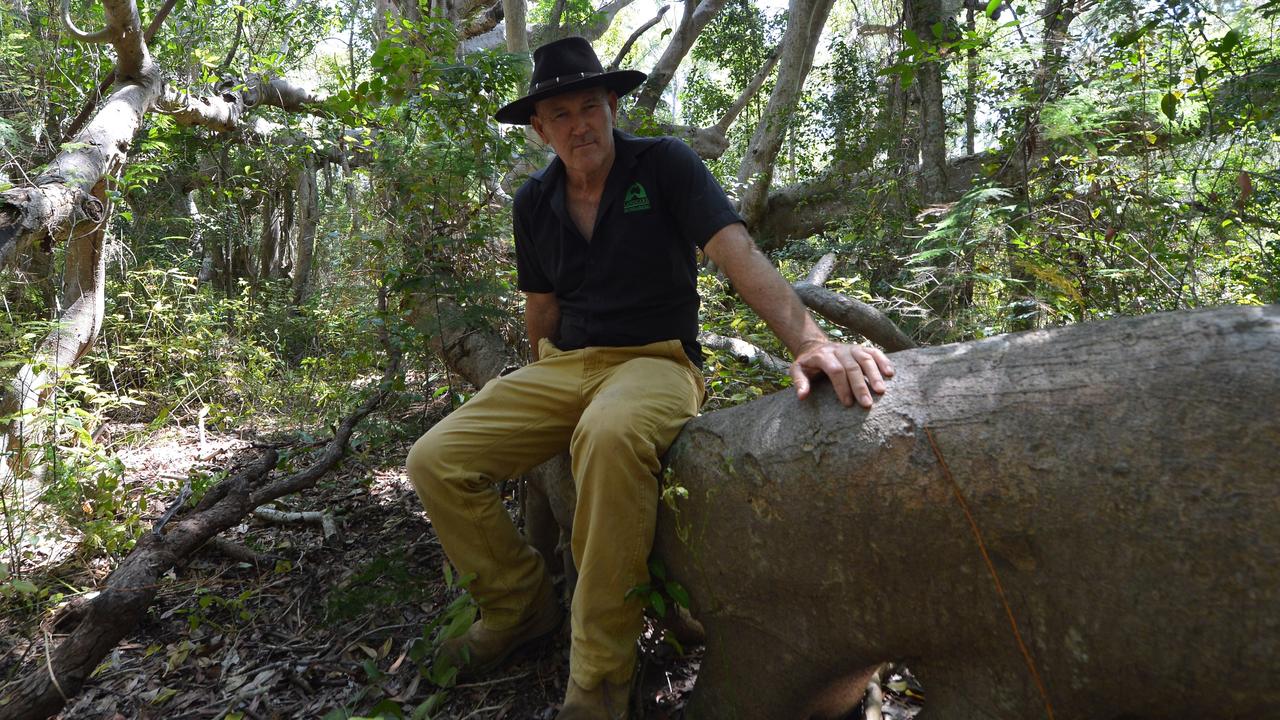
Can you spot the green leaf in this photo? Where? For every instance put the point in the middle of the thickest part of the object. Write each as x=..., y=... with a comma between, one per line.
x=1169, y=106
x=25, y=587
x=1202, y=74
x=992, y=7
x=912, y=40
x=1133, y=36
x=656, y=569
x=678, y=593
x=1229, y=42
x=387, y=708
x=657, y=603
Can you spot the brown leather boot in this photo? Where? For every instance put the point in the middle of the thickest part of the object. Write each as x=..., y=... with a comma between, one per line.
x=607, y=701
x=481, y=649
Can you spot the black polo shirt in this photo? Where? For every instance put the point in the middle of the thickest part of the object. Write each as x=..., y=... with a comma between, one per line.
x=635, y=282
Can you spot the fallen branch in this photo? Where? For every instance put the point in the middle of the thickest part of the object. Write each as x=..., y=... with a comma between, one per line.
x=821, y=270
x=744, y=351
x=327, y=523
x=113, y=612
x=236, y=551
x=123, y=601
x=854, y=315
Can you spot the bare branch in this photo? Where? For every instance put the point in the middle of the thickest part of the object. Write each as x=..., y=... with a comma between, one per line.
x=821, y=270
x=691, y=25
x=516, y=14
x=744, y=351
x=626, y=47
x=91, y=102
x=557, y=14
x=805, y=20
x=855, y=315
x=235, y=42
x=102, y=36
x=749, y=92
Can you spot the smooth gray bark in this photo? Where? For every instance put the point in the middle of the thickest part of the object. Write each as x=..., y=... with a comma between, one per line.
x=805, y=20
x=1123, y=477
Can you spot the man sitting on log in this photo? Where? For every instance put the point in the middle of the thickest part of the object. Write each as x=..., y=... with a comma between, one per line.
x=606, y=242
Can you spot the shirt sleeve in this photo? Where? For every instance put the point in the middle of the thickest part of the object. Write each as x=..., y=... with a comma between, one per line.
x=529, y=274
x=698, y=203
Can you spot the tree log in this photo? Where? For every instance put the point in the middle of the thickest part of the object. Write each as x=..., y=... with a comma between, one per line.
x=855, y=315
x=1121, y=477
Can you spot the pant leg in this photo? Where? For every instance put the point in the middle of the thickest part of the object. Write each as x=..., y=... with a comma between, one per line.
x=511, y=425
x=640, y=399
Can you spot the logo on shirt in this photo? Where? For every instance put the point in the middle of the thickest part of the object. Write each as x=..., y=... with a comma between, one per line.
x=636, y=199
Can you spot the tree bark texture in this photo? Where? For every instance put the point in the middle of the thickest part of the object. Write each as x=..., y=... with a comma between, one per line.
x=62, y=195
x=1122, y=479
x=805, y=20
x=82, y=307
x=922, y=16
x=308, y=208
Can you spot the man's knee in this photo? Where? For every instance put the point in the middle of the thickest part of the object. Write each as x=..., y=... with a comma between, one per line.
x=426, y=465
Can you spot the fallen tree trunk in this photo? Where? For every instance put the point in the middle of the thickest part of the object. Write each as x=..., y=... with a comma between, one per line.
x=1101, y=541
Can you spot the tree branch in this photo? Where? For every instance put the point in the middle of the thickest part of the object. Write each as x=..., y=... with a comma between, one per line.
x=626, y=47
x=100, y=37
x=749, y=92
x=557, y=13
x=805, y=20
x=129, y=590
x=854, y=315
x=691, y=26
x=91, y=102
x=745, y=351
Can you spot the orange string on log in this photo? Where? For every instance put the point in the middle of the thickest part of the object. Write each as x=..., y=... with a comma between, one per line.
x=995, y=577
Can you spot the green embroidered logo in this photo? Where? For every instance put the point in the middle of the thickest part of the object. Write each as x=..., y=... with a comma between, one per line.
x=636, y=199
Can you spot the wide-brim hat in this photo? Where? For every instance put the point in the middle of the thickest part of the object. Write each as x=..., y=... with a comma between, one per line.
x=564, y=66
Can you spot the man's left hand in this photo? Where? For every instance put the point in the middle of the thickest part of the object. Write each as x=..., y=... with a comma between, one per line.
x=855, y=371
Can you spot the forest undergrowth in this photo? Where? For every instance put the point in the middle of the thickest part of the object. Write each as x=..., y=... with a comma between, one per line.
x=278, y=619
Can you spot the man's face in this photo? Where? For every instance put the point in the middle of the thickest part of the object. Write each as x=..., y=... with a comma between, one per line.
x=579, y=127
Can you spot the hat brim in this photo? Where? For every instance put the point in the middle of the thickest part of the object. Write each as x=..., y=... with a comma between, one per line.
x=619, y=81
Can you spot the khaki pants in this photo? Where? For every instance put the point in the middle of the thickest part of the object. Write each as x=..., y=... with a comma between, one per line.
x=617, y=409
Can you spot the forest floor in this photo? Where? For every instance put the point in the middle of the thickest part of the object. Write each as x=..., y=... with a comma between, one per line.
x=318, y=628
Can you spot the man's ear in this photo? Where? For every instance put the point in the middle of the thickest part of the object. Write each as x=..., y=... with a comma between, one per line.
x=536, y=122
x=613, y=105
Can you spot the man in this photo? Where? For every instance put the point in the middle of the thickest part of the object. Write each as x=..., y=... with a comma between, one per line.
x=606, y=239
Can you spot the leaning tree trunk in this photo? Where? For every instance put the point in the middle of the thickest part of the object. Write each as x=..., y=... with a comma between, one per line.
x=82, y=305
x=66, y=203
x=1081, y=519
x=805, y=20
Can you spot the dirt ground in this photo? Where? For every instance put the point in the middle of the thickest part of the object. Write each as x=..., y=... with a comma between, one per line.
x=320, y=627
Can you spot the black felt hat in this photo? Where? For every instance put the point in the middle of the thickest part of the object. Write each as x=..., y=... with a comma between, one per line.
x=564, y=66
